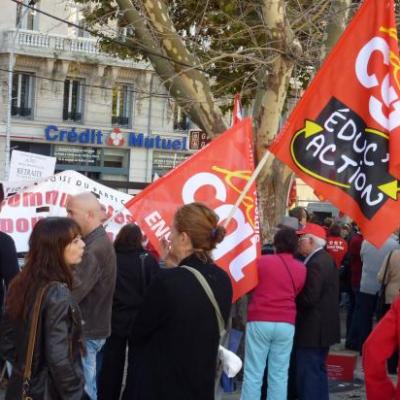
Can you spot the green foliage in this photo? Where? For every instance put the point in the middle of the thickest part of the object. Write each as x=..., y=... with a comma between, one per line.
x=228, y=37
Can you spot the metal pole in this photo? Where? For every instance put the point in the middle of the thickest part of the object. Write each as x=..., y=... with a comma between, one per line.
x=11, y=64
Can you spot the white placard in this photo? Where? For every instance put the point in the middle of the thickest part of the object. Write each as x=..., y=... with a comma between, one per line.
x=30, y=166
x=46, y=198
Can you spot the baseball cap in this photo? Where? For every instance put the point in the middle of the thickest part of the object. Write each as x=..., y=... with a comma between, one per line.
x=312, y=229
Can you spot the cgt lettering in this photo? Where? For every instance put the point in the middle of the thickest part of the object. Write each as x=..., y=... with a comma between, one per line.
x=243, y=236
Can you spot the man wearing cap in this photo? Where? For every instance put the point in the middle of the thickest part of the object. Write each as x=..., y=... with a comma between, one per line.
x=317, y=324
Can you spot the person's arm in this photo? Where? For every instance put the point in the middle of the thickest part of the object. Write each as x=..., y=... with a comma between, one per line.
x=9, y=260
x=7, y=339
x=57, y=325
x=311, y=293
x=86, y=275
x=382, y=269
x=378, y=347
x=152, y=268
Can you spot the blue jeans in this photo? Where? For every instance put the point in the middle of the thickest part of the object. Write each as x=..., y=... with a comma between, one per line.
x=270, y=341
x=311, y=376
x=93, y=346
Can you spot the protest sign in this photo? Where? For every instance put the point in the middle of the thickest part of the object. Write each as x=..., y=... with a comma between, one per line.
x=30, y=166
x=48, y=197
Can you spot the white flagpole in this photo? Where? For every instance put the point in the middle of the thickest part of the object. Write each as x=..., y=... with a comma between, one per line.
x=247, y=187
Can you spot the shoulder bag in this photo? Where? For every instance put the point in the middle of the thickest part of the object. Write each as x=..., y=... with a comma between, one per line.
x=380, y=305
x=210, y=294
x=31, y=342
x=143, y=271
x=229, y=361
x=290, y=274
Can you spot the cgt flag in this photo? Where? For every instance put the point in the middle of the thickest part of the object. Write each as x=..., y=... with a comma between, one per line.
x=237, y=113
x=215, y=175
x=342, y=137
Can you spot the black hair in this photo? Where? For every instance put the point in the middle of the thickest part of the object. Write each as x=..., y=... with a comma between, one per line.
x=285, y=241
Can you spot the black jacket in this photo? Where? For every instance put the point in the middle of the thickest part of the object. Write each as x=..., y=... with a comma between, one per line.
x=130, y=287
x=94, y=284
x=56, y=369
x=317, y=323
x=175, y=335
x=8, y=263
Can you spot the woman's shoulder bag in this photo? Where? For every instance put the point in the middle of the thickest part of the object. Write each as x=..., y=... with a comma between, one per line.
x=32, y=341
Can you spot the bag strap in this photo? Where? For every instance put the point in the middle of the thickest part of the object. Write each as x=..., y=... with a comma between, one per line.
x=203, y=282
x=288, y=271
x=387, y=268
x=33, y=334
x=143, y=271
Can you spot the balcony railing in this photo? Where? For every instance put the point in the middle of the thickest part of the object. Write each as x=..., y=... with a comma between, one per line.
x=20, y=111
x=49, y=45
x=72, y=116
x=40, y=40
x=121, y=121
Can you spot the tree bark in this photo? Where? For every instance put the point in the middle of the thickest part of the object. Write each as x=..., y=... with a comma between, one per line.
x=337, y=24
x=273, y=182
x=187, y=85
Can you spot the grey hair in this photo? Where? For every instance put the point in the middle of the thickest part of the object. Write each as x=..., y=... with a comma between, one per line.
x=317, y=240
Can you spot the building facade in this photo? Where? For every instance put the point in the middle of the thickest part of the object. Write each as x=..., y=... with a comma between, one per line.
x=108, y=118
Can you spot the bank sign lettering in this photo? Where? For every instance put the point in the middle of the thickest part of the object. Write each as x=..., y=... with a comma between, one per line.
x=343, y=138
x=115, y=138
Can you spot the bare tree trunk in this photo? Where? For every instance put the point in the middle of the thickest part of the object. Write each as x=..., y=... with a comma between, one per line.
x=273, y=182
x=337, y=24
x=189, y=86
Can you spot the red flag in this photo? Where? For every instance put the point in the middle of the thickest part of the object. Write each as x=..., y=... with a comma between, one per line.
x=237, y=114
x=215, y=176
x=339, y=136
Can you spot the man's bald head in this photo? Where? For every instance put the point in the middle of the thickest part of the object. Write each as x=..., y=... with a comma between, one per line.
x=85, y=209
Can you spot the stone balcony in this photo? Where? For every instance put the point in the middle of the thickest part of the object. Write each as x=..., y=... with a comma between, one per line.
x=40, y=44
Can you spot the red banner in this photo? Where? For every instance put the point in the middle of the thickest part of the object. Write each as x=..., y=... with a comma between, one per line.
x=237, y=113
x=339, y=137
x=215, y=176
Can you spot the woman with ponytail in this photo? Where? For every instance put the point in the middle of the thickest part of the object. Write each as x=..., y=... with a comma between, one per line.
x=176, y=333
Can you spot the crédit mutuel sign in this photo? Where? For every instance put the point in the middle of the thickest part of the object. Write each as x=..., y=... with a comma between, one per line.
x=114, y=138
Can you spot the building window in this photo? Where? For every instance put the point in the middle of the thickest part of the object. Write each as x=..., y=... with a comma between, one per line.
x=115, y=158
x=163, y=162
x=73, y=100
x=77, y=18
x=121, y=105
x=181, y=121
x=31, y=147
x=26, y=17
x=22, y=89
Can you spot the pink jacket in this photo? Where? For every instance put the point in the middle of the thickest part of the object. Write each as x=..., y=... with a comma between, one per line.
x=274, y=298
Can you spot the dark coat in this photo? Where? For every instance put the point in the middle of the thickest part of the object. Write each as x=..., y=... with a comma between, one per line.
x=8, y=263
x=317, y=323
x=57, y=368
x=130, y=287
x=94, y=284
x=176, y=335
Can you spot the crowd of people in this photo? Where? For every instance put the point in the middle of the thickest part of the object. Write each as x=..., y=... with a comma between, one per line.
x=90, y=319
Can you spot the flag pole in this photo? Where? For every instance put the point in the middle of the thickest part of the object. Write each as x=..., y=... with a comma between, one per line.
x=247, y=187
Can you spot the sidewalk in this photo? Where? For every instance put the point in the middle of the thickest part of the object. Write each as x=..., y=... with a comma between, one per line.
x=337, y=390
